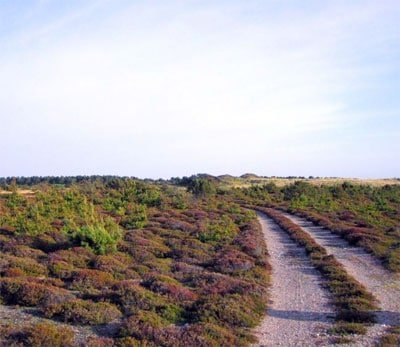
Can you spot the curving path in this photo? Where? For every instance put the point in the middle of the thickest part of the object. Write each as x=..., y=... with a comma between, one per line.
x=299, y=312
x=385, y=286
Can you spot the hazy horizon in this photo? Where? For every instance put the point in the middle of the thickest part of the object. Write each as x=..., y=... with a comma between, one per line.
x=161, y=89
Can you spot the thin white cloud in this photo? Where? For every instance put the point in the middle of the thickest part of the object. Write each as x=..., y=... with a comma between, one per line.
x=199, y=87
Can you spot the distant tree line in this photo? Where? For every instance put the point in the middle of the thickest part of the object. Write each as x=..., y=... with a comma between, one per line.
x=63, y=180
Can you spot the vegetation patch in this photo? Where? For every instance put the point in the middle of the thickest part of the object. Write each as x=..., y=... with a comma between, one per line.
x=155, y=264
x=38, y=335
x=83, y=312
x=391, y=338
x=365, y=215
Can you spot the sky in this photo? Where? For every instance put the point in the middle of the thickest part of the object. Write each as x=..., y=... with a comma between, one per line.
x=172, y=88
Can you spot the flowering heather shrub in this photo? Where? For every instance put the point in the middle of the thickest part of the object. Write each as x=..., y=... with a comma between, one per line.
x=199, y=334
x=119, y=264
x=138, y=254
x=47, y=334
x=37, y=335
x=170, y=287
x=77, y=256
x=228, y=310
x=190, y=251
x=25, y=251
x=181, y=269
x=251, y=241
x=16, y=291
x=104, y=342
x=47, y=281
x=132, y=297
x=13, y=272
x=209, y=283
x=147, y=240
x=61, y=269
x=161, y=265
x=175, y=224
x=91, y=281
x=195, y=214
x=231, y=260
x=111, y=264
x=83, y=312
x=28, y=266
x=142, y=325
x=4, y=238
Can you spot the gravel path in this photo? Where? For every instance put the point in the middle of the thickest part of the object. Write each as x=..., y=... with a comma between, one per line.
x=367, y=270
x=299, y=312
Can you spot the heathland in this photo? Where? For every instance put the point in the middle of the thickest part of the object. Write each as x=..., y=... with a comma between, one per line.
x=118, y=261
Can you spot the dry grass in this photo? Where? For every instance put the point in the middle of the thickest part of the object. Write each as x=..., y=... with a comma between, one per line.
x=237, y=182
x=19, y=191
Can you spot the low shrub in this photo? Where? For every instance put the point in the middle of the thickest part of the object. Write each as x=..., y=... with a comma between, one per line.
x=209, y=283
x=43, y=334
x=83, y=312
x=48, y=334
x=26, y=251
x=389, y=340
x=142, y=325
x=169, y=287
x=251, y=240
x=90, y=281
x=133, y=298
x=112, y=264
x=101, y=237
x=16, y=291
x=135, y=217
x=228, y=310
x=199, y=335
x=230, y=260
x=345, y=328
x=77, y=256
x=13, y=272
x=105, y=342
x=61, y=269
x=30, y=267
x=223, y=229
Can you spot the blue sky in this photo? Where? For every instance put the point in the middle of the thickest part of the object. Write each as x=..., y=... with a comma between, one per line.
x=170, y=88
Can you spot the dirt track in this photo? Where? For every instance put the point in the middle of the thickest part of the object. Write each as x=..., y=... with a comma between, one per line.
x=367, y=270
x=299, y=313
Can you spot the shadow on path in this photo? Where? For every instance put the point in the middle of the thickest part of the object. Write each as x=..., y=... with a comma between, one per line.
x=307, y=316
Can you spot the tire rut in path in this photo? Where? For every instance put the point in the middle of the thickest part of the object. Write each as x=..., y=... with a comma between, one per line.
x=385, y=286
x=300, y=311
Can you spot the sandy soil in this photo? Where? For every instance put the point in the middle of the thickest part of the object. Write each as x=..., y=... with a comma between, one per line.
x=367, y=270
x=299, y=312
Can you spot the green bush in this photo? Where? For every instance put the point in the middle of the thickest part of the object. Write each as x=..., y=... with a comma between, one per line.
x=102, y=238
x=223, y=229
x=135, y=217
